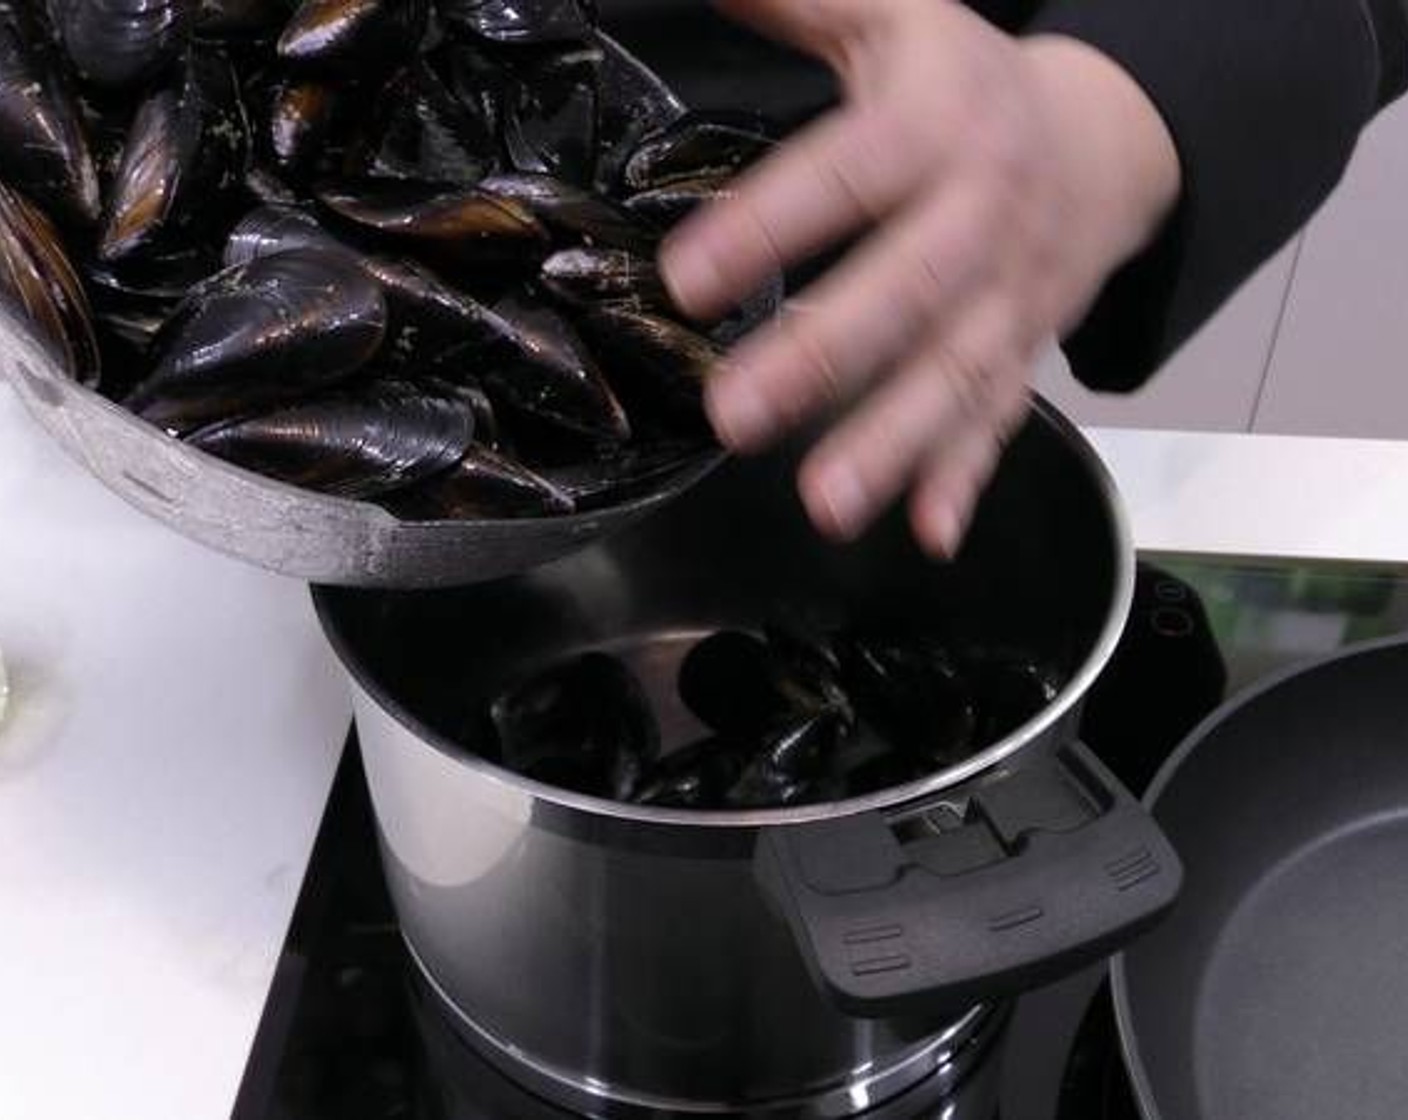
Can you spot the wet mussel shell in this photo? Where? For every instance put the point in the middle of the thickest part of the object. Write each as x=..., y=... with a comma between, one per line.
x=698, y=776
x=521, y=22
x=183, y=163
x=1008, y=688
x=422, y=132
x=121, y=44
x=550, y=117
x=47, y=154
x=459, y=228
x=352, y=38
x=38, y=283
x=362, y=444
x=545, y=370
x=696, y=146
x=632, y=103
x=484, y=484
x=304, y=114
x=627, y=473
x=912, y=692
x=584, y=724
x=427, y=318
x=262, y=334
x=225, y=20
x=740, y=686
x=586, y=276
x=573, y=213
x=658, y=365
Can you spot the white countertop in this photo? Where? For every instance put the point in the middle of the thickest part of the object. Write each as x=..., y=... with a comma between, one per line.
x=176, y=722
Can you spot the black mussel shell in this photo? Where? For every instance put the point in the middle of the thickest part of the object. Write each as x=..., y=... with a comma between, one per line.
x=267, y=188
x=185, y=158
x=380, y=438
x=259, y=335
x=47, y=154
x=698, y=776
x=630, y=473
x=474, y=78
x=39, y=285
x=484, y=485
x=421, y=131
x=632, y=103
x=574, y=214
x=303, y=116
x=460, y=228
x=657, y=365
x=165, y=276
x=786, y=763
x=550, y=117
x=486, y=420
x=667, y=205
x=1008, y=688
x=122, y=44
x=911, y=692
x=222, y=20
x=584, y=723
x=588, y=276
x=759, y=787
x=696, y=146
x=730, y=680
x=543, y=369
x=353, y=37
x=521, y=22
x=427, y=319
x=808, y=660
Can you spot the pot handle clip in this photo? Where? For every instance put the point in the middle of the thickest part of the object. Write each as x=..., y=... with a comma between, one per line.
x=1004, y=884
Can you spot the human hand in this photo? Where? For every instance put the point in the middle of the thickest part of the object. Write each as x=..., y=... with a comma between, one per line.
x=1000, y=180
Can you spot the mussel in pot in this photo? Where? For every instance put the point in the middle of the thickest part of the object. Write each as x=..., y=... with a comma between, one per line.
x=583, y=725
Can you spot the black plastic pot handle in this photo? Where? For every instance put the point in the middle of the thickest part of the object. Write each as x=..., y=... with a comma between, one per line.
x=987, y=890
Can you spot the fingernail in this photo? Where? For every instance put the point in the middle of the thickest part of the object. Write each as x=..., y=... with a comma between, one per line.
x=740, y=416
x=944, y=530
x=689, y=274
x=840, y=490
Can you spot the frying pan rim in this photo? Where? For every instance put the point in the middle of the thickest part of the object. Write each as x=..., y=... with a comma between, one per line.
x=1125, y=1018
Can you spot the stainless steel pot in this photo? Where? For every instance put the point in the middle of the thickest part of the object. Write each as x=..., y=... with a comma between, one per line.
x=805, y=961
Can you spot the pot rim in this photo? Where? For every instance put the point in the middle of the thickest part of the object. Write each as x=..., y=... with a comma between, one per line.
x=1121, y=599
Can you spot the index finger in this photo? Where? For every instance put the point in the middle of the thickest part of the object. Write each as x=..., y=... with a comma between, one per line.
x=827, y=182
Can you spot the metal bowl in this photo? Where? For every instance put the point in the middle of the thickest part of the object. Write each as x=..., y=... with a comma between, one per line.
x=284, y=528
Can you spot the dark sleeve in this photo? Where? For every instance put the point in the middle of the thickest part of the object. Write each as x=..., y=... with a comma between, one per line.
x=1265, y=100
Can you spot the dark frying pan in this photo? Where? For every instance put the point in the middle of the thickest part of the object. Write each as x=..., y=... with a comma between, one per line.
x=1278, y=989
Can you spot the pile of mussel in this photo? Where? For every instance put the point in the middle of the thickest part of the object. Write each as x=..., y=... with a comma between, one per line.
x=794, y=717
x=389, y=250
